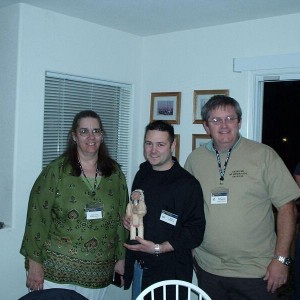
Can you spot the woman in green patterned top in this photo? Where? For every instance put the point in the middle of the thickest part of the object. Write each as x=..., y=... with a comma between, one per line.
x=74, y=235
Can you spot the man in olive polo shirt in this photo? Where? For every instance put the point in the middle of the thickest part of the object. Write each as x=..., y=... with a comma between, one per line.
x=241, y=257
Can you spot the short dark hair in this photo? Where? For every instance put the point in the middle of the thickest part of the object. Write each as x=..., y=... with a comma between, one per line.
x=161, y=126
x=218, y=101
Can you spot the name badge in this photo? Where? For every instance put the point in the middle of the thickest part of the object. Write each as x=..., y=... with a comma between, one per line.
x=219, y=196
x=94, y=211
x=168, y=217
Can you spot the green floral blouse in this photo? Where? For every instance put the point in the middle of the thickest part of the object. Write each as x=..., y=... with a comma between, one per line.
x=73, y=248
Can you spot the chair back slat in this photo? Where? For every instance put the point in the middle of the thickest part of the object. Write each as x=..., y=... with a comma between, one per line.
x=191, y=289
x=177, y=291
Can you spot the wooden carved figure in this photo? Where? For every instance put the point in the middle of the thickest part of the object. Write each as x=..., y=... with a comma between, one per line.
x=135, y=211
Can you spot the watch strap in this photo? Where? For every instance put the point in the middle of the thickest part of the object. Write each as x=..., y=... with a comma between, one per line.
x=284, y=260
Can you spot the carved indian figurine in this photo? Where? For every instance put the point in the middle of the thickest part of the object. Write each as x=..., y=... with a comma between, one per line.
x=135, y=211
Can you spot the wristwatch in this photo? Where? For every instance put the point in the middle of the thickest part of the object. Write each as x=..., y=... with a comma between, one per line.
x=284, y=260
x=156, y=249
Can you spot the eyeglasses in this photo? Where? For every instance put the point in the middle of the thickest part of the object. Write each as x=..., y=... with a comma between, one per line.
x=85, y=132
x=219, y=121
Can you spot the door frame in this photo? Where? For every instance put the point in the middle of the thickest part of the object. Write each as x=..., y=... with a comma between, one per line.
x=255, y=111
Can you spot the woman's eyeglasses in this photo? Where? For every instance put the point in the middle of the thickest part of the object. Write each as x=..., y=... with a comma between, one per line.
x=85, y=132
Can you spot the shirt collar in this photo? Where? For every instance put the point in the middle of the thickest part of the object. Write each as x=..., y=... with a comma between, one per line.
x=209, y=145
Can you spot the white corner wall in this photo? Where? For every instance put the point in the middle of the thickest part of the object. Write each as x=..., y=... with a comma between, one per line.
x=9, y=258
x=33, y=40
x=8, y=78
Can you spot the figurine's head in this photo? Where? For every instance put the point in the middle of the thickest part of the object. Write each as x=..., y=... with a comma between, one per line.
x=135, y=202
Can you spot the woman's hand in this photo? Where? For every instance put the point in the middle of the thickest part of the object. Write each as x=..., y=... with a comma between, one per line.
x=126, y=222
x=120, y=269
x=35, y=277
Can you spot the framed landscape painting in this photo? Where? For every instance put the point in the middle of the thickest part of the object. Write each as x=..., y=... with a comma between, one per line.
x=177, y=147
x=200, y=98
x=199, y=140
x=166, y=107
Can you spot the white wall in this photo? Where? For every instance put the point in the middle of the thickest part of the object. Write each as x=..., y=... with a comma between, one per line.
x=54, y=42
x=34, y=40
x=8, y=71
x=9, y=239
x=202, y=59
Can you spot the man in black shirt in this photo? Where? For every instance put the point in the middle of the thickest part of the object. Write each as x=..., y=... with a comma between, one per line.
x=174, y=223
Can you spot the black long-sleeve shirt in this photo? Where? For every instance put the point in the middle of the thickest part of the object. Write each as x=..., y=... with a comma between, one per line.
x=178, y=192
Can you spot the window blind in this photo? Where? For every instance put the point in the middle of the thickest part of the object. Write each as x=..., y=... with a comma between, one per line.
x=66, y=95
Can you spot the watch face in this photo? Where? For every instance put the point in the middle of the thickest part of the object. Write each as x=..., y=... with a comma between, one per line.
x=288, y=261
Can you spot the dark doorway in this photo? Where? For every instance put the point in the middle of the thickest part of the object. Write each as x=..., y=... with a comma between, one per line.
x=281, y=131
x=280, y=126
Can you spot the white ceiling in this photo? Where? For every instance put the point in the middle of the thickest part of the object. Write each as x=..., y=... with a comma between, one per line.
x=149, y=17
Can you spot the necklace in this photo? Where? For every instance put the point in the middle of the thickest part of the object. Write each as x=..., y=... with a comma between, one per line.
x=87, y=181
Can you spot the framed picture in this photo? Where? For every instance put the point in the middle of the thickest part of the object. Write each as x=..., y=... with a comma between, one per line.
x=199, y=140
x=200, y=98
x=177, y=147
x=166, y=107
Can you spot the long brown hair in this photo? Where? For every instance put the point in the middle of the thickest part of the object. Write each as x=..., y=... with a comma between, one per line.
x=105, y=164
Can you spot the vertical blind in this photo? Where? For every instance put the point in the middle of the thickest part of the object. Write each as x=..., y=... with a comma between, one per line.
x=66, y=95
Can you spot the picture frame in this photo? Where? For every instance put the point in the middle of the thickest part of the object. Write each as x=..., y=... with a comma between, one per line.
x=165, y=106
x=200, y=98
x=177, y=147
x=199, y=140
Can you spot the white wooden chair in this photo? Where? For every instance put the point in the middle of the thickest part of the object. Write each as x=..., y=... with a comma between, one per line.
x=191, y=288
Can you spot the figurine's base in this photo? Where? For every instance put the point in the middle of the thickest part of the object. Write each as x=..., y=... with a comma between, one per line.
x=132, y=242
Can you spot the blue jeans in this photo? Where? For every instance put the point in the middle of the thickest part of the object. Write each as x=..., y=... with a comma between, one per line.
x=137, y=280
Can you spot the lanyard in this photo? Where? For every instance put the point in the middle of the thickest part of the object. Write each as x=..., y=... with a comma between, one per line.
x=87, y=181
x=222, y=172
